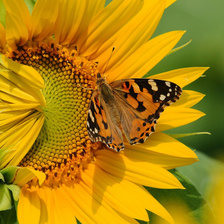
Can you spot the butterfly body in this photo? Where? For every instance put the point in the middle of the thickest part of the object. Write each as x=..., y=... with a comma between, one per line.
x=106, y=92
x=127, y=109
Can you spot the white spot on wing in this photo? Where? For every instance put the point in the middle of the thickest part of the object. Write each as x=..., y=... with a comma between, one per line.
x=153, y=85
x=168, y=84
x=91, y=116
x=162, y=97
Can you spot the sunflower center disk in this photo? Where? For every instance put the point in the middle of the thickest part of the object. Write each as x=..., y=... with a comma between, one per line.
x=62, y=148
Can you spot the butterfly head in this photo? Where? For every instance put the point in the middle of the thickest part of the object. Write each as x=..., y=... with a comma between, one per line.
x=100, y=80
x=99, y=76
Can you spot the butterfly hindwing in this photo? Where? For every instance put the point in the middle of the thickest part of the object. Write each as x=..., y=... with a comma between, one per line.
x=100, y=124
x=135, y=129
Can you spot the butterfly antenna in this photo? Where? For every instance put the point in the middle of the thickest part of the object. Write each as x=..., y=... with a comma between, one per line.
x=108, y=60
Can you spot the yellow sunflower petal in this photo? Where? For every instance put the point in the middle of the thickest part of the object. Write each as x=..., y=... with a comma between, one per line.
x=16, y=86
x=26, y=174
x=5, y=107
x=115, y=192
x=92, y=206
x=79, y=213
x=44, y=16
x=107, y=23
x=55, y=208
x=26, y=72
x=15, y=131
x=10, y=117
x=21, y=141
x=10, y=88
x=70, y=16
x=29, y=204
x=64, y=213
x=188, y=99
x=12, y=99
x=145, y=58
x=139, y=30
x=139, y=172
x=2, y=37
x=21, y=81
x=74, y=18
x=155, y=145
x=174, y=117
x=182, y=76
x=47, y=205
x=122, y=195
x=17, y=22
x=163, y=150
x=27, y=141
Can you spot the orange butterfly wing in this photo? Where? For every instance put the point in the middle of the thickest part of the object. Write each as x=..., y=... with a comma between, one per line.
x=142, y=101
x=135, y=103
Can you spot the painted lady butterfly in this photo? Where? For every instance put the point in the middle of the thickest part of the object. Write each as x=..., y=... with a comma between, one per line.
x=127, y=108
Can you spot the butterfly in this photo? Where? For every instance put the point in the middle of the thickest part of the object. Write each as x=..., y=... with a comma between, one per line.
x=127, y=108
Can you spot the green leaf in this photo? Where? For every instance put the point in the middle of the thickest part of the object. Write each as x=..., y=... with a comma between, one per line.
x=9, y=173
x=78, y=221
x=15, y=191
x=2, y=177
x=9, y=216
x=190, y=195
x=5, y=198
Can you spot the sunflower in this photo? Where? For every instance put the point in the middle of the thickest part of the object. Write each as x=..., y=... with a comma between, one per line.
x=49, y=59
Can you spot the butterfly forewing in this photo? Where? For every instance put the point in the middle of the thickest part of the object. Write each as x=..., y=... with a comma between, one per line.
x=146, y=99
x=138, y=102
x=160, y=91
